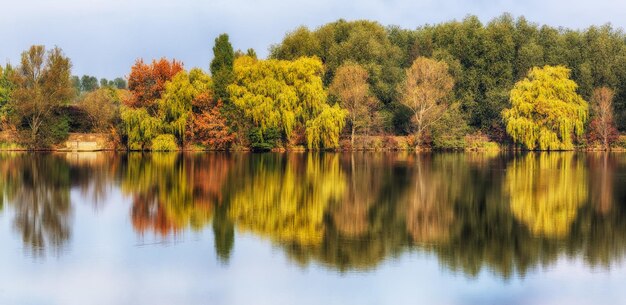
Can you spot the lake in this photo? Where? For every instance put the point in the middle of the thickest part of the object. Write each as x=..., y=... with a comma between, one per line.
x=313, y=228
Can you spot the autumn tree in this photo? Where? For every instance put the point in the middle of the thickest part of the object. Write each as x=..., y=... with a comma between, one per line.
x=350, y=86
x=140, y=112
x=42, y=86
x=187, y=110
x=147, y=82
x=602, y=127
x=102, y=107
x=425, y=91
x=546, y=112
x=211, y=130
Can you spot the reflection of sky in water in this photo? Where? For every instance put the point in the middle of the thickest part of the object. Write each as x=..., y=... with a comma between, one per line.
x=106, y=262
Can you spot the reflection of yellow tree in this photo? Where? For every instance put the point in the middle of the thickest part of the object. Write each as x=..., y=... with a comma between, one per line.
x=546, y=191
x=286, y=200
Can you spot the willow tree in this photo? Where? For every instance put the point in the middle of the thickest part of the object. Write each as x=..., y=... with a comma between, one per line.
x=176, y=105
x=425, y=91
x=546, y=112
x=351, y=88
x=286, y=96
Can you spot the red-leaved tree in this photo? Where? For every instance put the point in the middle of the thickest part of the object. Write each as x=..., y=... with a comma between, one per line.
x=147, y=82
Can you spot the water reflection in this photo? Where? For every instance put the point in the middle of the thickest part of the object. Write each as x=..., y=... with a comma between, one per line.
x=505, y=213
x=38, y=191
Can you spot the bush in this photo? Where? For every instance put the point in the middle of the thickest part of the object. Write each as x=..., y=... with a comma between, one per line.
x=480, y=142
x=260, y=141
x=621, y=142
x=449, y=132
x=164, y=142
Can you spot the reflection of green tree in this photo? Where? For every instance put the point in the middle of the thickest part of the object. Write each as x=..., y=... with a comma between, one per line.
x=37, y=187
x=546, y=190
x=284, y=197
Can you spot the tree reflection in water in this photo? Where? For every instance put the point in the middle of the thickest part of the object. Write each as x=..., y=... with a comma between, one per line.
x=37, y=189
x=501, y=212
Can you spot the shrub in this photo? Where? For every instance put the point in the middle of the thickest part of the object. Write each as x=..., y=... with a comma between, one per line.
x=260, y=141
x=164, y=142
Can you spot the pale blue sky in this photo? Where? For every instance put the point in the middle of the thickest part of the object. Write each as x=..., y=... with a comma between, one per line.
x=104, y=37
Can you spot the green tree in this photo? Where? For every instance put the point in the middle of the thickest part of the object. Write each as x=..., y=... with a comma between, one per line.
x=6, y=87
x=546, y=112
x=363, y=42
x=119, y=83
x=222, y=67
x=42, y=86
x=88, y=83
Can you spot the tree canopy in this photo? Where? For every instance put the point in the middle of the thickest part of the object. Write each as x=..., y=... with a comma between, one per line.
x=546, y=112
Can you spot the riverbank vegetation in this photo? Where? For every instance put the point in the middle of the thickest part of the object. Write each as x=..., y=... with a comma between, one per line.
x=347, y=85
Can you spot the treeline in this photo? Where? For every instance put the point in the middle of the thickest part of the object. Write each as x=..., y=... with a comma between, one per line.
x=507, y=82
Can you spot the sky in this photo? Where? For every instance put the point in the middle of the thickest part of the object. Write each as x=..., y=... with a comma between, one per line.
x=104, y=37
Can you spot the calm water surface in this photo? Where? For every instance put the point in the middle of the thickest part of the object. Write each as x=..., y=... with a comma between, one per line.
x=373, y=228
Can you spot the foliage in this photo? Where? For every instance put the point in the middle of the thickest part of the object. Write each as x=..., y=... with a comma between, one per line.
x=6, y=87
x=102, y=106
x=425, y=91
x=42, y=84
x=323, y=131
x=546, y=112
x=362, y=42
x=210, y=129
x=140, y=127
x=147, y=82
x=222, y=67
x=164, y=142
x=450, y=131
x=175, y=106
x=602, y=127
x=88, y=83
x=78, y=120
x=263, y=141
x=350, y=87
x=282, y=94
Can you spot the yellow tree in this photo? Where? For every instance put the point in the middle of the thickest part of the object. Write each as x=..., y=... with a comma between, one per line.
x=285, y=95
x=351, y=88
x=425, y=91
x=546, y=112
